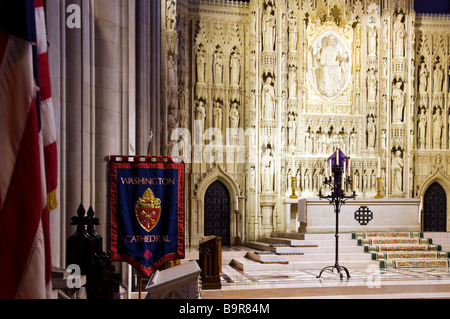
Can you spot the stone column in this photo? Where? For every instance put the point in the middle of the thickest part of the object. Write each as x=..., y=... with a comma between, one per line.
x=71, y=56
x=56, y=27
x=148, y=48
x=111, y=103
x=72, y=121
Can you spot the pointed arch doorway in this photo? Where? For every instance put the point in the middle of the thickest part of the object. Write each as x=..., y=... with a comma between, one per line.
x=217, y=212
x=435, y=209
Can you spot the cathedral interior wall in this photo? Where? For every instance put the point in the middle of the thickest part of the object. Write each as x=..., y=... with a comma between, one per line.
x=255, y=94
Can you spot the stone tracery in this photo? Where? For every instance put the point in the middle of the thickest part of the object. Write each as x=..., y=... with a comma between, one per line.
x=309, y=77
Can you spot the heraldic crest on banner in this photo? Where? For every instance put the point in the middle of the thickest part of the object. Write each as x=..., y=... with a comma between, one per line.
x=148, y=210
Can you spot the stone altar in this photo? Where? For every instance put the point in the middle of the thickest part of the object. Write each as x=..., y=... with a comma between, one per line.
x=388, y=214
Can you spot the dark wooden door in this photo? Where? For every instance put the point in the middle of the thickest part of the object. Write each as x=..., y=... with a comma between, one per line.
x=217, y=212
x=435, y=209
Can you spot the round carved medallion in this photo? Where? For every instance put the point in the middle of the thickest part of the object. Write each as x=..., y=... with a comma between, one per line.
x=329, y=65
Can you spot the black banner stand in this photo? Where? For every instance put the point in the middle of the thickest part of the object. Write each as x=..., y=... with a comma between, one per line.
x=337, y=198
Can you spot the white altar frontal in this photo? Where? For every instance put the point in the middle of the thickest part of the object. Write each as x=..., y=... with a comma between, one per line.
x=361, y=215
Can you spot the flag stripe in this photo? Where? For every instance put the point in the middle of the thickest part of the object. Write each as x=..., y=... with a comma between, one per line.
x=28, y=139
x=46, y=108
x=49, y=166
x=40, y=30
x=22, y=210
x=45, y=92
x=34, y=265
x=16, y=90
x=48, y=120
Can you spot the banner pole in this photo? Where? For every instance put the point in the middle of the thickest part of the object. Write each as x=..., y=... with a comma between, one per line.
x=140, y=283
x=149, y=148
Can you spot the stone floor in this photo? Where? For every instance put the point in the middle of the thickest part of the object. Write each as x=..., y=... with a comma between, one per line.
x=364, y=283
x=371, y=283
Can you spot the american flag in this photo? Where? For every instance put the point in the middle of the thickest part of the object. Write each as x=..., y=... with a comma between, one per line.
x=28, y=168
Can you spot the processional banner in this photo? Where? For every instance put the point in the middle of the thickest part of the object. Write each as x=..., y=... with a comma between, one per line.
x=147, y=211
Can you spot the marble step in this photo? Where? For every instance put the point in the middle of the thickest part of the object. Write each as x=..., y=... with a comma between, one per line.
x=414, y=263
x=298, y=236
x=411, y=255
x=256, y=256
x=381, y=235
x=440, y=238
x=320, y=249
x=402, y=247
x=394, y=241
x=306, y=243
x=227, y=253
x=310, y=236
x=288, y=242
x=245, y=264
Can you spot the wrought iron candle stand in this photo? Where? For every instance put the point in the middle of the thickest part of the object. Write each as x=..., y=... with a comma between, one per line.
x=337, y=198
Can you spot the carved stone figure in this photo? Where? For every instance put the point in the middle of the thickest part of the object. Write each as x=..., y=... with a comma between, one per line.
x=383, y=139
x=234, y=122
x=352, y=143
x=308, y=143
x=356, y=180
x=268, y=28
x=422, y=129
x=383, y=182
x=268, y=100
x=423, y=78
x=399, y=103
x=329, y=66
x=292, y=82
x=399, y=37
x=235, y=70
x=330, y=71
x=365, y=182
x=234, y=116
x=293, y=34
x=267, y=171
x=252, y=178
x=201, y=67
x=372, y=84
x=292, y=130
x=372, y=42
x=437, y=129
x=371, y=132
x=397, y=172
x=172, y=118
x=171, y=14
x=218, y=116
x=171, y=71
x=200, y=116
x=384, y=68
x=218, y=68
x=438, y=78
x=307, y=181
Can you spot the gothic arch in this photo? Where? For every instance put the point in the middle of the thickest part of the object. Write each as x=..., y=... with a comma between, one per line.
x=217, y=174
x=442, y=180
